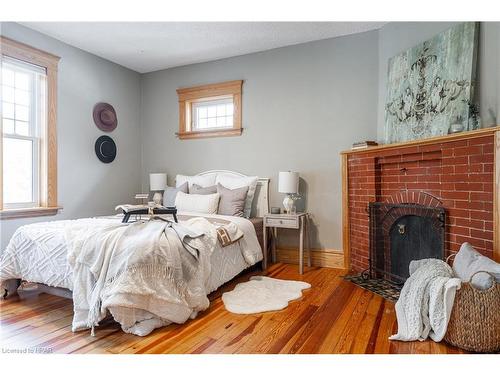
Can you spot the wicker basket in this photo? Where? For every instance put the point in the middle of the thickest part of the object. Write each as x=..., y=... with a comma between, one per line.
x=475, y=318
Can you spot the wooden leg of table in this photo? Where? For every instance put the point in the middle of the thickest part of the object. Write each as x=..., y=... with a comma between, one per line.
x=264, y=250
x=275, y=240
x=301, y=247
x=308, y=234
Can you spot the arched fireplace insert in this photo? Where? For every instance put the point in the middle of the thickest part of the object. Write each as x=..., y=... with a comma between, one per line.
x=400, y=233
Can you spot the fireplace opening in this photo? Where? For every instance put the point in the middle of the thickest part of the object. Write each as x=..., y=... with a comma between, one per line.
x=400, y=233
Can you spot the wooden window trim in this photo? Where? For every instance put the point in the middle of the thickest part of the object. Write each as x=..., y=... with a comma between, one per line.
x=18, y=213
x=190, y=95
x=48, y=169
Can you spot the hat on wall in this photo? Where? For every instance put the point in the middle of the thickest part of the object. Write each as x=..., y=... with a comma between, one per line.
x=105, y=149
x=105, y=117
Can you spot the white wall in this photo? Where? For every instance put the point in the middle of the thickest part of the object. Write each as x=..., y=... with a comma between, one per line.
x=302, y=105
x=86, y=186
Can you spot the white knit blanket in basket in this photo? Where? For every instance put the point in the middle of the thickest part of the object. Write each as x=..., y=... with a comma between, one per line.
x=424, y=305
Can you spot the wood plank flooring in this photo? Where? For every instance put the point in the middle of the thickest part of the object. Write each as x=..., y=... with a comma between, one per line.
x=334, y=316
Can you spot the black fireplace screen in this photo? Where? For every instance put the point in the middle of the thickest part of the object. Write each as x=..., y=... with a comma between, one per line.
x=400, y=233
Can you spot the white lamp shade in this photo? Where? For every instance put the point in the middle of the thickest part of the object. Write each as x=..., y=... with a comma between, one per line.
x=288, y=182
x=157, y=181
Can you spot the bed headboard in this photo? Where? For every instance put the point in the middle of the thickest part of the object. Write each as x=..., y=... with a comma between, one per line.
x=260, y=205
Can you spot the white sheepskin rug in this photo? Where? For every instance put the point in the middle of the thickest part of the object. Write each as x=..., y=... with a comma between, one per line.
x=262, y=294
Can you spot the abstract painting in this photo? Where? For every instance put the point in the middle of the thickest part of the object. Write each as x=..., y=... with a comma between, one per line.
x=430, y=86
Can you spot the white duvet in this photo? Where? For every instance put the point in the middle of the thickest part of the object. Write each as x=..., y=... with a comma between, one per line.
x=39, y=253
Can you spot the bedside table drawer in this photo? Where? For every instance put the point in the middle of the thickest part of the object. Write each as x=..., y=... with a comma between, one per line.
x=292, y=223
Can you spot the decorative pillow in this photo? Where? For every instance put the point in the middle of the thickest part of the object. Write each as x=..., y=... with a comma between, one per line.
x=203, y=204
x=235, y=182
x=197, y=189
x=203, y=181
x=232, y=201
x=468, y=261
x=170, y=193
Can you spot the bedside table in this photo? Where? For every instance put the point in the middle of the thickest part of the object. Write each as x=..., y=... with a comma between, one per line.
x=297, y=221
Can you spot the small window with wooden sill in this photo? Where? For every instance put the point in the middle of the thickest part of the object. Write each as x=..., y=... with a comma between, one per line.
x=28, y=166
x=210, y=110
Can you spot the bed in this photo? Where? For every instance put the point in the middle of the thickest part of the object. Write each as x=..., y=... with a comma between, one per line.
x=38, y=253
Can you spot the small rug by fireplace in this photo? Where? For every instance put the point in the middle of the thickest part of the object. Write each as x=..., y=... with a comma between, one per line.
x=379, y=286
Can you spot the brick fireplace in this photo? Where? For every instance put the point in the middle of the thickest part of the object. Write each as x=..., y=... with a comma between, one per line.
x=458, y=173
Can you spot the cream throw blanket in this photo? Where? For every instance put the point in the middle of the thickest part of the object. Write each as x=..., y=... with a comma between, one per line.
x=424, y=305
x=141, y=272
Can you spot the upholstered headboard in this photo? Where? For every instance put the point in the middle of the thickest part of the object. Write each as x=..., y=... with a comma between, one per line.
x=260, y=205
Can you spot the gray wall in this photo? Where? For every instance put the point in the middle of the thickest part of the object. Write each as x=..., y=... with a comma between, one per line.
x=397, y=37
x=302, y=105
x=86, y=186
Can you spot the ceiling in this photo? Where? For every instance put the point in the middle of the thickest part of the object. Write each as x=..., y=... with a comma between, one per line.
x=149, y=46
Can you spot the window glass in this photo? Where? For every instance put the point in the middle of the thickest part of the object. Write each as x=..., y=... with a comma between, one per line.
x=22, y=88
x=213, y=114
x=17, y=170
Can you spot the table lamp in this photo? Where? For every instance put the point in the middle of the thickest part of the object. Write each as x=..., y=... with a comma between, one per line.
x=288, y=183
x=157, y=183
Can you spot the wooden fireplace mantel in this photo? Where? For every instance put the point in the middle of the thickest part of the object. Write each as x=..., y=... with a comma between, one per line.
x=427, y=141
x=427, y=148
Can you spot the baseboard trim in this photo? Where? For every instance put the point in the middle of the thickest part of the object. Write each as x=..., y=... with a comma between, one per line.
x=328, y=258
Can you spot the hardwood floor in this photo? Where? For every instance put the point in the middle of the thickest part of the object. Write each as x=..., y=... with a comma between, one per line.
x=334, y=316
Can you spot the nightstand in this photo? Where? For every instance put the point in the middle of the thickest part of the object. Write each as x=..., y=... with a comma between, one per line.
x=297, y=221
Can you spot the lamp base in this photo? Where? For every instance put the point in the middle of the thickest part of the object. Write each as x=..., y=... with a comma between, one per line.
x=158, y=198
x=288, y=204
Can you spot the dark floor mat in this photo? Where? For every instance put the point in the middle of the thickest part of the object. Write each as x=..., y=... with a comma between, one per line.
x=379, y=286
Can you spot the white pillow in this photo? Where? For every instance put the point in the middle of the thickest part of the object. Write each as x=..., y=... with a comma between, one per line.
x=468, y=261
x=203, y=204
x=235, y=182
x=203, y=181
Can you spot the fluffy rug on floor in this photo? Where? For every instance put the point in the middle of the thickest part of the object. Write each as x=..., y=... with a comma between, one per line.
x=262, y=294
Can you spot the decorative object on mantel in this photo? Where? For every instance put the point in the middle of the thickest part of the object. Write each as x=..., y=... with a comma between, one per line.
x=457, y=126
x=157, y=183
x=105, y=149
x=474, y=119
x=363, y=144
x=275, y=210
x=288, y=183
x=429, y=85
x=105, y=117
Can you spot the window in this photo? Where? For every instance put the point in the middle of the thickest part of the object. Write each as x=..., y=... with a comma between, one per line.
x=212, y=114
x=210, y=110
x=28, y=149
x=23, y=98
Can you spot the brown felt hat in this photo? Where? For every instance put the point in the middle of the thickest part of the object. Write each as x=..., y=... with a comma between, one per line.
x=105, y=117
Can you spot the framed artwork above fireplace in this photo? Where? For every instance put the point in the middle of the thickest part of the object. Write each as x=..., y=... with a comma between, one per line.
x=430, y=86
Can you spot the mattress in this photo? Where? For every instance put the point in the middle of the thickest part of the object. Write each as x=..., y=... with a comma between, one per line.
x=37, y=253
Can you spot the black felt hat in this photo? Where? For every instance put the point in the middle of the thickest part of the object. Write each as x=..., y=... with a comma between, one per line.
x=105, y=149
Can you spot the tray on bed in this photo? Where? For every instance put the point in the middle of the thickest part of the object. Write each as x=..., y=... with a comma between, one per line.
x=156, y=211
